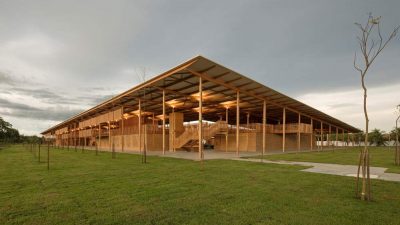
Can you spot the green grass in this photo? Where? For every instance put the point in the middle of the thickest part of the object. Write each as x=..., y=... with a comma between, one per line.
x=379, y=156
x=82, y=188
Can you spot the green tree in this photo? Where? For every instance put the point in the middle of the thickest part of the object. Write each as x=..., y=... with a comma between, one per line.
x=376, y=137
x=7, y=133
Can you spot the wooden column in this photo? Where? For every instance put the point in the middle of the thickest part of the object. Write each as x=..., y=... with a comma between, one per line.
x=122, y=130
x=247, y=136
x=343, y=138
x=172, y=129
x=329, y=136
x=263, y=127
x=284, y=130
x=298, y=133
x=109, y=135
x=84, y=140
x=237, y=121
x=163, y=122
x=99, y=135
x=140, y=125
x=322, y=136
x=227, y=131
x=337, y=134
x=311, y=135
x=200, y=127
x=348, y=139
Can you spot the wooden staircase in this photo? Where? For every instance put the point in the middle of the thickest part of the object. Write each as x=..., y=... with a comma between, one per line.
x=189, y=139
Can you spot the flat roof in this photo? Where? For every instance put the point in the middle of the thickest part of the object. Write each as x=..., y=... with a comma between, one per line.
x=220, y=86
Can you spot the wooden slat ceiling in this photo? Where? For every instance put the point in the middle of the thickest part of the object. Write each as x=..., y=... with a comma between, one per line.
x=181, y=84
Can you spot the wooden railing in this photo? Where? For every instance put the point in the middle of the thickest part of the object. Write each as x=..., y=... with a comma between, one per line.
x=292, y=128
x=192, y=132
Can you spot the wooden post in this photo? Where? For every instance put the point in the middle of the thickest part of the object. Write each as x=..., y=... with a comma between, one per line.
x=284, y=130
x=298, y=133
x=172, y=128
x=263, y=127
x=39, y=153
x=337, y=135
x=122, y=129
x=237, y=122
x=329, y=136
x=163, y=122
x=109, y=135
x=311, y=135
x=74, y=136
x=247, y=136
x=98, y=147
x=343, y=138
x=227, y=131
x=348, y=139
x=48, y=156
x=84, y=142
x=322, y=136
x=140, y=126
x=200, y=127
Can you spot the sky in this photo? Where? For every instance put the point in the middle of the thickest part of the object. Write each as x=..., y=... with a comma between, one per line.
x=58, y=58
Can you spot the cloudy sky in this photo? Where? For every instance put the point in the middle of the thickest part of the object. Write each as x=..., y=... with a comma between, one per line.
x=58, y=58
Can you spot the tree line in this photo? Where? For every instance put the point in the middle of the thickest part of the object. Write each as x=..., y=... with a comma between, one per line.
x=10, y=135
x=376, y=137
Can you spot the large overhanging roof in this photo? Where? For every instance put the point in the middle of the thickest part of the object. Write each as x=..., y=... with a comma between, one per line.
x=220, y=86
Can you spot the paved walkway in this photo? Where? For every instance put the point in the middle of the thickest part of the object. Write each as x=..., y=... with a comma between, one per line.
x=334, y=169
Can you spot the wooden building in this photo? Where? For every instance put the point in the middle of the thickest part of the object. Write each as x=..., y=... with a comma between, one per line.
x=200, y=100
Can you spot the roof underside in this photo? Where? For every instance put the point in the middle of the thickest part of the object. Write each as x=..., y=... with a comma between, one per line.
x=220, y=86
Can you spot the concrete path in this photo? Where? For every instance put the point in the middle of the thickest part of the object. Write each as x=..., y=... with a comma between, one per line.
x=333, y=169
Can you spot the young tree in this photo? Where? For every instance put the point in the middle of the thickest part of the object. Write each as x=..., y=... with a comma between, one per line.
x=370, y=48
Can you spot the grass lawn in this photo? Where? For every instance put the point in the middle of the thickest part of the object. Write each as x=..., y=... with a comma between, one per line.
x=82, y=188
x=380, y=156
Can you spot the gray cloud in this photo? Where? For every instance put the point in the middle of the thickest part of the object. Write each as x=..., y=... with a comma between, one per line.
x=20, y=110
x=80, y=53
x=6, y=79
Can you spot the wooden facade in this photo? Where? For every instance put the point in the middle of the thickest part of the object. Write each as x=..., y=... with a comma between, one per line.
x=196, y=105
